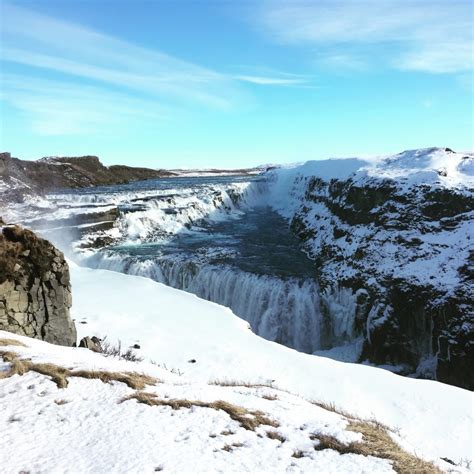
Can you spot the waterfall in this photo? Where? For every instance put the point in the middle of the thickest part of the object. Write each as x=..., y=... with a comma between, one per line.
x=284, y=310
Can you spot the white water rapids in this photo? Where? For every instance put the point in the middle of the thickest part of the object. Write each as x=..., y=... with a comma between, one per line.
x=214, y=238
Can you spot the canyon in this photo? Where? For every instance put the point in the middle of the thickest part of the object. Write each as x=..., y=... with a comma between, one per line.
x=359, y=260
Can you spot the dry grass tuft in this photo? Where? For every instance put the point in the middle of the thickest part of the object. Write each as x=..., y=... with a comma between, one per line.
x=376, y=442
x=9, y=356
x=59, y=375
x=227, y=433
x=133, y=379
x=298, y=454
x=246, y=418
x=332, y=407
x=230, y=447
x=276, y=435
x=111, y=350
x=353, y=418
x=11, y=342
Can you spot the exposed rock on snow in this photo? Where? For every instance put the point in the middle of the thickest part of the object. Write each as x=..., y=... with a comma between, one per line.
x=35, y=290
x=91, y=343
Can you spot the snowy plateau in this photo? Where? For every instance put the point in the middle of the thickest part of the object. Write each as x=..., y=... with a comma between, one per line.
x=272, y=359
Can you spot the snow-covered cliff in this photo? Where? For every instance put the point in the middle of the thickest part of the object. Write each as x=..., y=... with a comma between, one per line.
x=397, y=231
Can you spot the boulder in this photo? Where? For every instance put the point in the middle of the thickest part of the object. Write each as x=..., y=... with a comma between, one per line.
x=35, y=289
x=91, y=343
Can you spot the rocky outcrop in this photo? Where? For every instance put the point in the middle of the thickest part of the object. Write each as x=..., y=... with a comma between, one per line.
x=35, y=290
x=91, y=343
x=25, y=177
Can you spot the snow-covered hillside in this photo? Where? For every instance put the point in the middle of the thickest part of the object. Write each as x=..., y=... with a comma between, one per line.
x=91, y=429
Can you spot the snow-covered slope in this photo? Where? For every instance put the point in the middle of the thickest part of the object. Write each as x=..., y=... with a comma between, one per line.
x=173, y=327
x=97, y=424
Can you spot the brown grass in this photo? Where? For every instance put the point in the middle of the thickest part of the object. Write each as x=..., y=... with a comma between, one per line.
x=354, y=418
x=11, y=342
x=8, y=356
x=131, y=379
x=230, y=447
x=227, y=433
x=376, y=442
x=59, y=375
x=276, y=435
x=298, y=454
x=246, y=418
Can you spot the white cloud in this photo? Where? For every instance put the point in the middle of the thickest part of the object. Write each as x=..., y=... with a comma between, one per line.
x=425, y=35
x=40, y=41
x=271, y=81
x=54, y=108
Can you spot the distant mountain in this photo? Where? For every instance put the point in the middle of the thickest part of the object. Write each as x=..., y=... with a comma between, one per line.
x=19, y=178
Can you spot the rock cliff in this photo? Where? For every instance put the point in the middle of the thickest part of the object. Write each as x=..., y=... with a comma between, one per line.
x=398, y=235
x=35, y=291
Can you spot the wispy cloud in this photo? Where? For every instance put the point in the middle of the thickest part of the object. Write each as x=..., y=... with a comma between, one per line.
x=54, y=108
x=100, y=80
x=33, y=39
x=272, y=81
x=423, y=35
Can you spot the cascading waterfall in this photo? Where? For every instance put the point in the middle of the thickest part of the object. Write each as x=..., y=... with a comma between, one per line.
x=287, y=311
x=211, y=239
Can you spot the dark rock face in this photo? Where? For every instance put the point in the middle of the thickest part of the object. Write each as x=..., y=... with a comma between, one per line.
x=35, y=290
x=91, y=343
x=396, y=244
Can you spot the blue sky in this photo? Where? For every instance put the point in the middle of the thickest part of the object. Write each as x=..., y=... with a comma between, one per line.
x=233, y=84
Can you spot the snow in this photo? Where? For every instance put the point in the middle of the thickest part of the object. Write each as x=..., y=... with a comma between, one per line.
x=439, y=253
x=423, y=166
x=90, y=429
x=173, y=327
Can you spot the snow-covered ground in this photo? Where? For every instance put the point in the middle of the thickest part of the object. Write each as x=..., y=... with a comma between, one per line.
x=89, y=430
x=88, y=427
x=173, y=327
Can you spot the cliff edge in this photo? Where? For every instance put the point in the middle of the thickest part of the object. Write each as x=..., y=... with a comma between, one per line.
x=35, y=289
